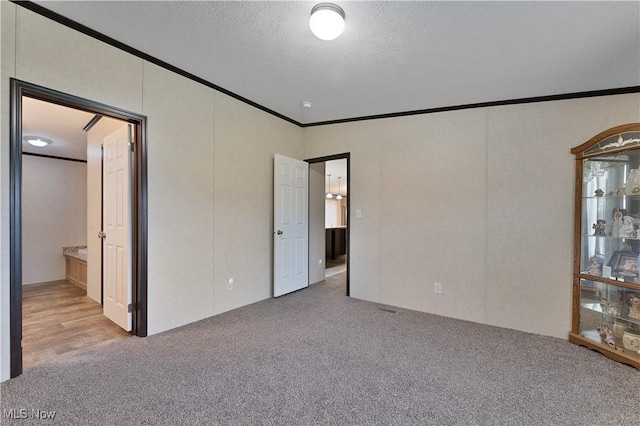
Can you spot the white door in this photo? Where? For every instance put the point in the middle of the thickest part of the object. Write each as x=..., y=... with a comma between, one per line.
x=291, y=226
x=115, y=204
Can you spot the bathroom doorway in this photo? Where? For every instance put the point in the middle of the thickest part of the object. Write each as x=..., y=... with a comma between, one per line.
x=61, y=204
x=47, y=224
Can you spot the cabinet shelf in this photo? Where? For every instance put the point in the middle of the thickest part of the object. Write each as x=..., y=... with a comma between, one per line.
x=613, y=197
x=607, y=237
x=632, y=285
x=597, y=307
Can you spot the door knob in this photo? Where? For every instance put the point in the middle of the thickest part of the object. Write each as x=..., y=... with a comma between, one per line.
x=102, y=235
x=279, y=232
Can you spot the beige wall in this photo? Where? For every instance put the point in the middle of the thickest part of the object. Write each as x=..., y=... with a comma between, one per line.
x=246, y=141
x=479, y=200
x=54, y=215
x=210, y=162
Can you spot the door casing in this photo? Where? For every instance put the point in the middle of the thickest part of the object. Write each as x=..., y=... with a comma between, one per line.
x=138, y=206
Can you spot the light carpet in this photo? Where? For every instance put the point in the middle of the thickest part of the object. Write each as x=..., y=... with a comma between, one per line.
x=316, y=357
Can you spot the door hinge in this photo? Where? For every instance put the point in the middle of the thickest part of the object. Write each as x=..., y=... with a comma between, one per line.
x=130, y=308
x=132, y=146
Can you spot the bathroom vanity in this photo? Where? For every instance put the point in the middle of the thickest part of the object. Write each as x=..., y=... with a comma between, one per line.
x=76, y=263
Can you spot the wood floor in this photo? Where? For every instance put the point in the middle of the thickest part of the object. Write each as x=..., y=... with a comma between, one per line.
x=58, y=319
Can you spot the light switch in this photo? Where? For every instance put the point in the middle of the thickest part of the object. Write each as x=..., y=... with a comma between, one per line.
x=358, y=213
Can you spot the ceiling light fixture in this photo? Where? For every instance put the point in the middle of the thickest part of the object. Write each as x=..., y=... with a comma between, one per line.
x=327, y=21
x=329, y=195
x=37, y=141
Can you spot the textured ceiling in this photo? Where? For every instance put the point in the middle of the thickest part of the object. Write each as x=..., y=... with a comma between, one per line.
x=392, y=57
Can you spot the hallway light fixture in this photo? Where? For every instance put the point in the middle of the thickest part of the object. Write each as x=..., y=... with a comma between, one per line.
x=339, y=196
x=329, y=195
x=37, y=141
x=326, y=21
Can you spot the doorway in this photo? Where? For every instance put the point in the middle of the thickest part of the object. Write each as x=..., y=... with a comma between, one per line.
x=329, y=217
x=136, y=276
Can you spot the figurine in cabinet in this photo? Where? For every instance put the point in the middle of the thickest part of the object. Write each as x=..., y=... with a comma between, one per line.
x=595, y=266
x=633, y=182
x=628, y=229
x=616, y=222
x=599, y=227
x=633, y=302
x=606, y=334
x=622, y=225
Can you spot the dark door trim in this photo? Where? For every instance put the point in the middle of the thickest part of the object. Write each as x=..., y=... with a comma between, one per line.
x=138, y=205
x=346, y=156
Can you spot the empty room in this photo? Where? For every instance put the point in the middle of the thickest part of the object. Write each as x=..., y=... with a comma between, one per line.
x=294, y=212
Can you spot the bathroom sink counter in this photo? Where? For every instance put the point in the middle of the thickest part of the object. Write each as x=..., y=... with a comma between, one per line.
x=77, y=252
x=76, y=262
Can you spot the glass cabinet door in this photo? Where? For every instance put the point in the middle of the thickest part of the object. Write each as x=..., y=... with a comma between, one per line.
x=611, y=316
x=610, y=218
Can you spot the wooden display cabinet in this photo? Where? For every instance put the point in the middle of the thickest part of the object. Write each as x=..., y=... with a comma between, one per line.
x=606, y=273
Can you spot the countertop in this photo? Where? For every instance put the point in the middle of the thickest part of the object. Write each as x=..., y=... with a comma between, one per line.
x=76, y=252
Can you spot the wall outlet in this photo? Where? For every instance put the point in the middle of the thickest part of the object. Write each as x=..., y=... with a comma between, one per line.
x=229, y=284
x=437, y=288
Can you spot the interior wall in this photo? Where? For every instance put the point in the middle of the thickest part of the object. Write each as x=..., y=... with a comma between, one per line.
x=54, y=215
x=181, y=187
x=317, y=259
x=204, y=148
x=332, y=214
x=478, y=200
x=246, y=141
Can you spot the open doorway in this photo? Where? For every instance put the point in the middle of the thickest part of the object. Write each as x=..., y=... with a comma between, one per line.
x=329, y=197
x=28, y=170
x=335, y=216
x=61, y=208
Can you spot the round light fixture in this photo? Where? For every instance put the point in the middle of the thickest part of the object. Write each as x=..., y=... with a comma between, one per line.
x=327, y=21
x=37, y=141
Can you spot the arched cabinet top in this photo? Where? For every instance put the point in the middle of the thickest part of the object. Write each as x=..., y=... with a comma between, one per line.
x=615, y=139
